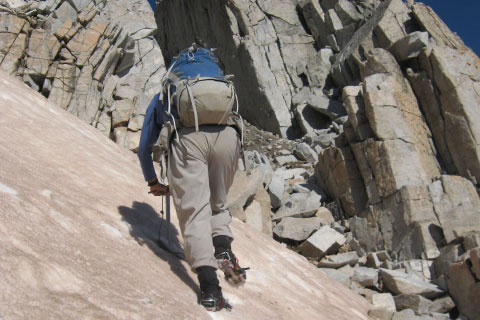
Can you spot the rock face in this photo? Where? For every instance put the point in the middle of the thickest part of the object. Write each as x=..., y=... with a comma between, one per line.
x=394, y=74
x=63, y=243
x=96, y=59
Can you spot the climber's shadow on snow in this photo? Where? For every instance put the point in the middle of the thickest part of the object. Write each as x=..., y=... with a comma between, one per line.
x=149, y=228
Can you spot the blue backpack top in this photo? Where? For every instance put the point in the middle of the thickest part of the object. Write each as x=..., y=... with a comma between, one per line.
x=192, y=62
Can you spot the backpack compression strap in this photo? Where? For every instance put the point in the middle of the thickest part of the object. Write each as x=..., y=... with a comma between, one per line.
x=194, y=107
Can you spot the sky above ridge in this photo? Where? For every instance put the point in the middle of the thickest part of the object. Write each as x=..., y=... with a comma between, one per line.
x=461, y=17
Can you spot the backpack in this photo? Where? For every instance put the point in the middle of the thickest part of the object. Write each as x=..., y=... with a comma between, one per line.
x=197, y=92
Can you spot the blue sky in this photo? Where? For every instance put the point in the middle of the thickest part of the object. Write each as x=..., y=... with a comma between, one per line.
x=152, y=4
x=462, y=17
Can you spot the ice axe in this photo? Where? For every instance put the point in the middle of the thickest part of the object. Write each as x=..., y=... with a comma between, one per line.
x=164, y=237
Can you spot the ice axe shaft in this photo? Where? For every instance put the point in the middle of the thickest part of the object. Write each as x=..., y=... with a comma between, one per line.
x=167, y=208
x=164, y=241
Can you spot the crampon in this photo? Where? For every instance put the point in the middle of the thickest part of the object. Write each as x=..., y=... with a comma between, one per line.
x=234, y=274
x=214, y=301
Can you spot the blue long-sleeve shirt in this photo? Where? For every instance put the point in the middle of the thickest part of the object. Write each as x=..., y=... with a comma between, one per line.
x=154, y=119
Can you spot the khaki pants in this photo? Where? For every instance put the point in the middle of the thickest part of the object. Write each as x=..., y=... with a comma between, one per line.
x=200, y=172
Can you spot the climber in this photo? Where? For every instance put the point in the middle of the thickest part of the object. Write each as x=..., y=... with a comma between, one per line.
x=202, y=156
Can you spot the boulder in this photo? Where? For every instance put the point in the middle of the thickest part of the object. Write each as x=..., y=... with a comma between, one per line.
x=330, y=108
x=307, y=187
x=318, y=68
x=415, y=302
x=464, y=287
x=244, y=188
x=304, y=152
x=442, y=305
x=65, y=14
x=299, y=205
x=367, y=277
x=457, y=206
x=257, y=160
x=253, y=214
x=420, y=268
x=296, y=229
x=375, y=259
x=475, y=259
x=339, y=260
x=347, y=12
x=42, y=49
x=263, y=199
x=275, y=190
x=392, y=25
x=383, y=301
x=325, y=215
x=354, y=244
x=471, y=240
x=334, y=23
x=338, y=276
x=257, y=212
x=295, y=173
x=448, y=255
x=407, y=314
x=315, y=19
x=301, y=97
x=282, y=160
x=324, y=241
x=401, y=283
x=409, y=46
x=310, y=120
x=380, y=314
x=366, y=233
x=353, y=100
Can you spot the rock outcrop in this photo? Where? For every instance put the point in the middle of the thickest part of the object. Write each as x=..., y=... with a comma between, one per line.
x=96, y=59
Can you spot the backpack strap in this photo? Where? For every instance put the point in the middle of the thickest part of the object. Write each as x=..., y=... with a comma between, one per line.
x=192, y=100
x=165, y=78
x=169, y=110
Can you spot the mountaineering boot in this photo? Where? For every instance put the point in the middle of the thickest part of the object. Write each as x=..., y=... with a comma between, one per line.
x=211, y=297
x=227, y=262
x=212, y=300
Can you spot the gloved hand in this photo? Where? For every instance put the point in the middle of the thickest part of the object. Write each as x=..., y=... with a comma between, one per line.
x=157, y=188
